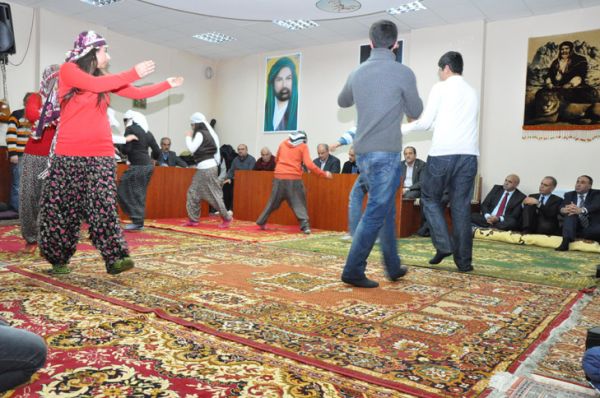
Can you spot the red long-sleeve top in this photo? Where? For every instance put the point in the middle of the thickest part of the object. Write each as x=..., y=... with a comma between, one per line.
x=84, y=129
x=39, y=147
x=290, y=159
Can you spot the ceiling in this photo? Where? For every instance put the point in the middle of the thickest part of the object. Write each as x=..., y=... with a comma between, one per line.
x=172, y=23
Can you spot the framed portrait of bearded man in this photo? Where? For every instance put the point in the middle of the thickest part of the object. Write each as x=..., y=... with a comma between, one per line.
x=282, y=93
x=562, y=93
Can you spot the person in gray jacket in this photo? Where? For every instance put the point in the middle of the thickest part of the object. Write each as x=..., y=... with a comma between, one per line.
x=383, y=90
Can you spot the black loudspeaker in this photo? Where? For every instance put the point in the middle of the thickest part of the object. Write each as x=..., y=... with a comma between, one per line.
x=365, y=52
x=593, y=338
x=7, y=32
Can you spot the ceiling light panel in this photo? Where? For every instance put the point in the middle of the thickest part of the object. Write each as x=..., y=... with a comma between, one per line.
x=295, y=24
x=101, y=3
x=214, y=37
x=408, y=7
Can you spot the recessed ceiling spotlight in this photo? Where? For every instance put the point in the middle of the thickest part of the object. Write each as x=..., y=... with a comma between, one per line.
x=214, y=37
x=101, y=3
x=408, y=7
x=295, y=24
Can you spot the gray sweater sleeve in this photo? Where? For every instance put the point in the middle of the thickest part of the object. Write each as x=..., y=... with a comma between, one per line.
x=414, y=104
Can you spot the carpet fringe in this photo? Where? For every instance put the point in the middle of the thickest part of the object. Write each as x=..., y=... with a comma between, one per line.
x=541, y=351
x=501, y=382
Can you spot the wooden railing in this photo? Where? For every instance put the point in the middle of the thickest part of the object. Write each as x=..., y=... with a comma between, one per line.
x=166, y=192
x=327, y=200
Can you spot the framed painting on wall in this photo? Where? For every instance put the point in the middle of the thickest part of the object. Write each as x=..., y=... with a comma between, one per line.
x=282, y=93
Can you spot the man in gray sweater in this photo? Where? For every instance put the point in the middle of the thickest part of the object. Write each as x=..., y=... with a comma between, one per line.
x=383, y=90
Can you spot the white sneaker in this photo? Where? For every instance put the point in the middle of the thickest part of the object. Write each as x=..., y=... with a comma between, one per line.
x=347, y=237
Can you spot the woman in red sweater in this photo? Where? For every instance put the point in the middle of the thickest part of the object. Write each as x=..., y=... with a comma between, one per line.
x=35, y=156
x=287, y=181
x=81, y=181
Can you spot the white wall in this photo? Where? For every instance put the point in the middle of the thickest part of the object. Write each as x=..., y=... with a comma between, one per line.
x=22, y=78
x=168, y=113
x=495, y=57
x=495, y=64
x=503, y=149
x=426, y=46
x=323, y=72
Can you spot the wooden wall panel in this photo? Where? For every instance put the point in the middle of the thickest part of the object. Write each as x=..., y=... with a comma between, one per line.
x=327, y=200
x=167, y=192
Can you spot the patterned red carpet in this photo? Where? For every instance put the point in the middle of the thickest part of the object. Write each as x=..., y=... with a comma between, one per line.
x=96, y=349
x=431, y=334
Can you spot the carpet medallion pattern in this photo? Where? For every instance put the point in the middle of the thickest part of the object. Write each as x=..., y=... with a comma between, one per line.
x=96, y=349
x=432, y=333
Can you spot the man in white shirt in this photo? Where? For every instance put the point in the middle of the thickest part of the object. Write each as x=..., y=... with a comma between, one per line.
x=453, y=108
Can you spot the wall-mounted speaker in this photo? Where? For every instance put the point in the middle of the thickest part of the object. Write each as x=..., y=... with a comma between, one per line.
x=365, y=52
x=7, y=32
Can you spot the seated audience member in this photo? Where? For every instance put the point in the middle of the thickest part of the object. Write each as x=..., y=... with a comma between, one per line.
x=501, y=208
x=581, y=211
x=325, y=161
x=350, y=166
x=266, y=162
x=411, y=173
x=167, y=157
x=243, y=161
x=287, y=181
x=540, y=210
x=22, y=353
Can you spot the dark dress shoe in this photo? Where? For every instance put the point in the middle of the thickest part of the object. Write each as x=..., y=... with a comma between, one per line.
x=365, y=282
x=403, y=271
x=439, y=256
x=466, y=269
x=564, y=245
x=424, y=232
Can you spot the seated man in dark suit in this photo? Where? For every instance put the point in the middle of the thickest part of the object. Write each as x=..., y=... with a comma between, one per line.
x=581, y=209
x=411, y=173
x=540, y=210
x=350, y=166
x=166, y=157
x=501, y=207
x=325, y=161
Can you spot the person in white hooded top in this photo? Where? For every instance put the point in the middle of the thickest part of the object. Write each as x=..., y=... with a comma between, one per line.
x=204, y=144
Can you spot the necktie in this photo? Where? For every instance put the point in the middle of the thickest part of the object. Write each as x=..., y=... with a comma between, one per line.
x=583, y=218
x=500, y=211
x=542, y=200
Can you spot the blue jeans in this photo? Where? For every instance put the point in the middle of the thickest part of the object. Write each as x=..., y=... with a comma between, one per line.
x=357, y=195
x=381, y=171
x=456, y=174
x=15, y=171
x=22, y=353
